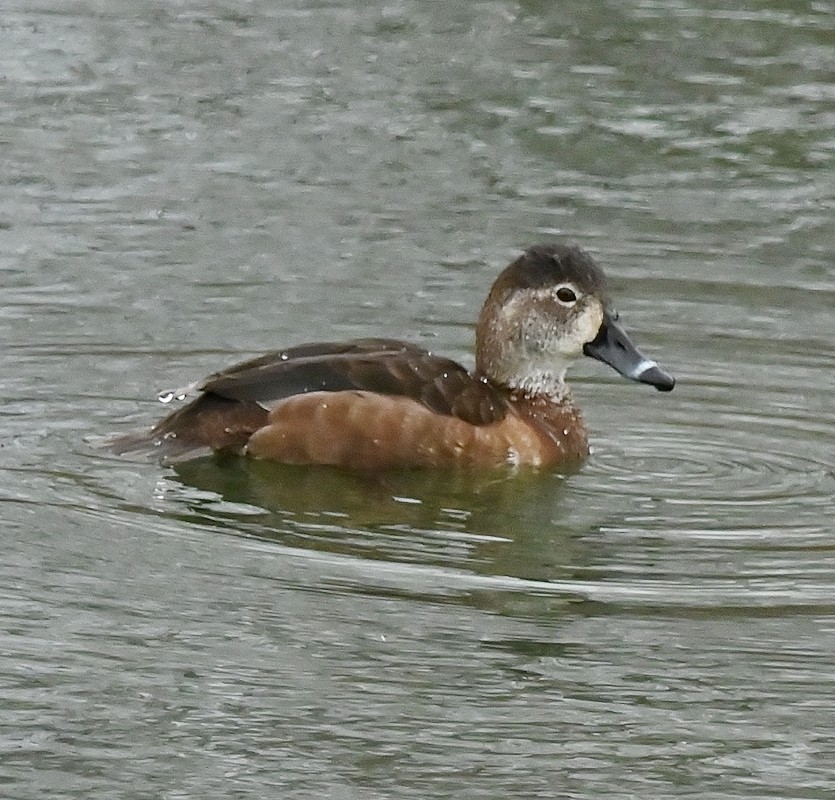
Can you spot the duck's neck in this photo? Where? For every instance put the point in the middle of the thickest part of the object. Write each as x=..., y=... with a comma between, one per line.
x=528, y=380
x=506, y=359
x=535, y=383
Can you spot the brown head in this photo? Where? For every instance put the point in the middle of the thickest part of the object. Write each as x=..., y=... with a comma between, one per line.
x=545, y=310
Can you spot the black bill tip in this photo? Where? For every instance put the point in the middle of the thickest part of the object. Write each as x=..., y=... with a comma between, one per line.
x=613, y=346
x=655, y=376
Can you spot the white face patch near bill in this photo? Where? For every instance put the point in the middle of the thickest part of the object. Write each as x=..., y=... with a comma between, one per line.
x=589, y=324
x=563, y=335
x=540, y=336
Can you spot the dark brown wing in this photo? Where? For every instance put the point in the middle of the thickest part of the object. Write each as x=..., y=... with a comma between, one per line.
x=383, y=366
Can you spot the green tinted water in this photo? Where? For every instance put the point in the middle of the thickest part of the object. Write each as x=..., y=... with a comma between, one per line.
x=190, y=184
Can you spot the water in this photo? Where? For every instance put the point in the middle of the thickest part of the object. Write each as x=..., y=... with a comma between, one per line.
x=190, y=184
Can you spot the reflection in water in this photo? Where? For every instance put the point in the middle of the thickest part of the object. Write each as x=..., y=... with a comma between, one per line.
x=493, y=522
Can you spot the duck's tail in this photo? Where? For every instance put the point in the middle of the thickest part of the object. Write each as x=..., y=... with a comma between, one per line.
x=209, y=423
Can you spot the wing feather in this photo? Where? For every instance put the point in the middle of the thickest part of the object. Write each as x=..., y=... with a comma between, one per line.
x=383, y=366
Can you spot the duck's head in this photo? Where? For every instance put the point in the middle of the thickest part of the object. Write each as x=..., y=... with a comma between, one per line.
x=548, y=308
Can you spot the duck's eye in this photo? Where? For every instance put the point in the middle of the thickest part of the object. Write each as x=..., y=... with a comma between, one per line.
x=566, y=295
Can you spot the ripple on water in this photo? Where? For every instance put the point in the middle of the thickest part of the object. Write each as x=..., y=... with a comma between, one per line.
x=715, y=507
x=712, y=467
x=745, y=451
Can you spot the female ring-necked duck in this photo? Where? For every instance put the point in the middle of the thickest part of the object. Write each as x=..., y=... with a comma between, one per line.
x=380, y=403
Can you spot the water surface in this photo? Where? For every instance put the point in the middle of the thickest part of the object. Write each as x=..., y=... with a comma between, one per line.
x=189, y=184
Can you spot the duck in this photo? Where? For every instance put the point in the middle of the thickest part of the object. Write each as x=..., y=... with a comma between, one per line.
x=378, y=404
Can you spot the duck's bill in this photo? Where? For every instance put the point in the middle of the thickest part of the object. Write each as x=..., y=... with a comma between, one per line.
x=612, y=346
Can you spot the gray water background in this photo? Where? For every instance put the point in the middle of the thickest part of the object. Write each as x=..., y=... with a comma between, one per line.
x=186, y=184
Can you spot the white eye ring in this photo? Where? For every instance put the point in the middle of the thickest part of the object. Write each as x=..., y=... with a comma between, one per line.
x=566, y=294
